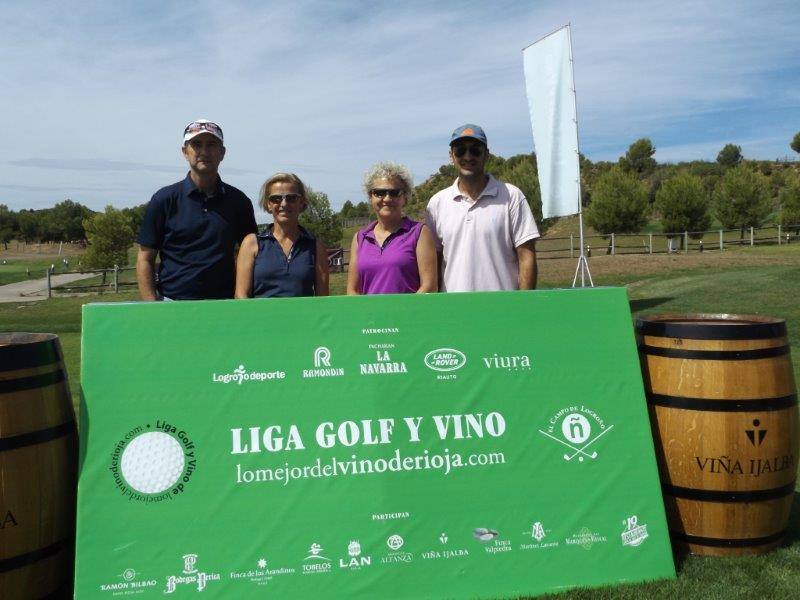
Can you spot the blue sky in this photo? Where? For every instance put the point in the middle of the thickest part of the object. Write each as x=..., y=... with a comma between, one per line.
x=96, y=95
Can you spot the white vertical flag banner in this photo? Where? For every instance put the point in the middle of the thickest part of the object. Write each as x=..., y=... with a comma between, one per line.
x=551, y=98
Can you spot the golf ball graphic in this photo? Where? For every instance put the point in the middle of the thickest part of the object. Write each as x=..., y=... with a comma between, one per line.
x=152, y=462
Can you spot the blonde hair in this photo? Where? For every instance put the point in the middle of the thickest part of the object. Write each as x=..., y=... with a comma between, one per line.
x=280, y=178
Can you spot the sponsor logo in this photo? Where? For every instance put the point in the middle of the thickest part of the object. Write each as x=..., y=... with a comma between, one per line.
x=383, y=365
x=190, y=577
x=538, y=533
x=585, y=538
x=445, y=359
x=395, y=542
x=577, y=428
x=726, y=465
x=356, y=561
x=316, y=562
x=484, y=535
x=756, y=435
x=444, y=553
x=322, y=365
x=260, y=575
x=241, y=375
x=7, y=520
x=520, y=362
x=153, y=463
x=633, y=534
x=129, y=582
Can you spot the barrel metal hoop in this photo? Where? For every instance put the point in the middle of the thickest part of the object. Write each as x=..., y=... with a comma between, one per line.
x=37, y=437
x=31, y=383
x=715, y=354
x=23, y=560
x=728, y=496
x=713, y=405
x=24, y=356
x=710, y=331
x=725, y=542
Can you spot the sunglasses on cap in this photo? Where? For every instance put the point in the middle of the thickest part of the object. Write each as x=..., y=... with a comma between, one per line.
x=278, y=198
x=210, y=127
x=461, y=149
x=383, y=192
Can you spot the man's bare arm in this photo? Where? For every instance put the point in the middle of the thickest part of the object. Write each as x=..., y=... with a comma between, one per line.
x=146, y=273
x=526, y=256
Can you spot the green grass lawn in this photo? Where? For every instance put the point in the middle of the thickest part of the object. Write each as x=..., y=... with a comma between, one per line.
x=15, y=270
x=767, y=290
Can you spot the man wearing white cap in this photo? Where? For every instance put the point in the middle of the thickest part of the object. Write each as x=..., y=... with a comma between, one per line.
x=484, y=229
x=194, y=226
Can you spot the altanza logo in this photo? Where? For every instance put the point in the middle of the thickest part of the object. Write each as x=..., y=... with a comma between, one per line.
x=445, y=359
x=241, y=375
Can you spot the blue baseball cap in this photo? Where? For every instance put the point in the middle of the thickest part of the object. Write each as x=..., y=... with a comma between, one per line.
x=468, y=131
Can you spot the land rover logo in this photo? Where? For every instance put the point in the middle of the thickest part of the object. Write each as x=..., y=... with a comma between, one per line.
x=445, y=359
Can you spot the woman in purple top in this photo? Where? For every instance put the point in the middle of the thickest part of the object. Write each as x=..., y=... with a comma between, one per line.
x=392, y=255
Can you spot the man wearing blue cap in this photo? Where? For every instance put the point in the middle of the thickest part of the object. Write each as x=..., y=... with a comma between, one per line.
x=484, y=229
x=194, y=225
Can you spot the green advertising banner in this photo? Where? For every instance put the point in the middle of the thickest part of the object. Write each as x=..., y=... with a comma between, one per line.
x=487, y=445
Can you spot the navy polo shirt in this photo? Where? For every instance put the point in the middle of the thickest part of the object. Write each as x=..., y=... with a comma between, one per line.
x=276, y=275
x=196, y=236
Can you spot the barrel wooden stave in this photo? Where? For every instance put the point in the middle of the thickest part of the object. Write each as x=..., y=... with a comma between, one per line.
x=38, y=468
x=701, y=410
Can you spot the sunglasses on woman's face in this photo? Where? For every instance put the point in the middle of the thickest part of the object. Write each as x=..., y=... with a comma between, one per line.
x=382, y=193
x=278, y=198
x=474, y=150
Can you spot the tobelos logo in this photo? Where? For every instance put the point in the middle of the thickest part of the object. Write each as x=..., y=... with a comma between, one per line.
x=445, y=359
x=571, y=427
x=241, y=375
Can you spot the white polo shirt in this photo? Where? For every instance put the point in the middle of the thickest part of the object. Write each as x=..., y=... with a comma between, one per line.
x=478, y=239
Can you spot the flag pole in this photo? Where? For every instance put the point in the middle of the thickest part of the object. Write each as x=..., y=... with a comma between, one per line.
x=583, y=264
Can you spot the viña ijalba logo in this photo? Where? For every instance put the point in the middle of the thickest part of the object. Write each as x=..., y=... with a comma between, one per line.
x=577, y=428
x=322, y=365
x=241, y=375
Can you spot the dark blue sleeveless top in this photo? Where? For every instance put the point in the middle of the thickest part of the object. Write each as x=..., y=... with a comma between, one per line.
x=277, y=276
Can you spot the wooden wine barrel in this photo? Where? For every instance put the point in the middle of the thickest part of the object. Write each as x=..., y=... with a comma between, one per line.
x=723, y=409
x=38, y=469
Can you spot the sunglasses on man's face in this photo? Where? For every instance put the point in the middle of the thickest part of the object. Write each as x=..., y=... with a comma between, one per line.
x=460, y=150
x=278, y=198
x=382, y=192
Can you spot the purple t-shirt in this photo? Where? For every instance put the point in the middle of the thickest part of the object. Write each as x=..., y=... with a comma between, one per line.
x=391, y=268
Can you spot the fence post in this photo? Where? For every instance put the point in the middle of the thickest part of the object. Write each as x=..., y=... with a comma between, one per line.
x=720, y=240
x=116, y=279
x=779, y=234
x=686, y=242
x=651, y=243
x=751, y=236
x=571, y=247
x=613, y=245
x=49, y=287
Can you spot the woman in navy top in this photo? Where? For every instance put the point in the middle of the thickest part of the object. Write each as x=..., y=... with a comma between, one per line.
x=286, y=260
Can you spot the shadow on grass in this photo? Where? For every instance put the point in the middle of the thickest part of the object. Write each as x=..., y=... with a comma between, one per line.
x=645, y=303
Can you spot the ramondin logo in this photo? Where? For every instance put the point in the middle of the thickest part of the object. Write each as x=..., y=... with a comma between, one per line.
x=322, y=365
x=445, y=359
x=241, y=375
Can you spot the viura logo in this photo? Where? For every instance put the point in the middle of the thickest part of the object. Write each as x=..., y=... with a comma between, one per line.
x=241, y=375
x=521, y=362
